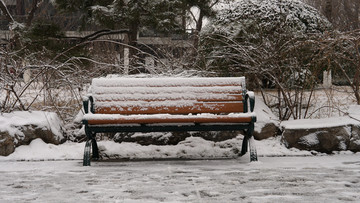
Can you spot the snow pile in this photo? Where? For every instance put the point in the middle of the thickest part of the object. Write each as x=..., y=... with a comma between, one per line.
x=264, y=115
x=191, y=148
x=354, y=112
x=39, y=150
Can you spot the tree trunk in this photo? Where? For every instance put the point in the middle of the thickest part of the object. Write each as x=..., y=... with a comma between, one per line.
x=6, y=12
x=183, y=19
x=356, y=15
x=199, y=24
x=328, y=10
x=20, y=8
x=132, y=36
x=31, y=13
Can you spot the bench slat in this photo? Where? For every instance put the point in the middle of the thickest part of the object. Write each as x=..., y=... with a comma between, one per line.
x=156, y=119
x=96, y=90
x=169, y=108
x=169, y=97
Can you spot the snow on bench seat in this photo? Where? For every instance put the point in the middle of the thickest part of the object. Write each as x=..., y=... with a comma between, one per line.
x=173, y=107
x=98, y=119
x=169, y=82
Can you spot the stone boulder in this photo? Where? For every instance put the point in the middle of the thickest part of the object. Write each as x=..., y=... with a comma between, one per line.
x=7, y=145
x=354, y=114
x=354, y=144
x=324, y=140
x=322, y=135
x=20, y=128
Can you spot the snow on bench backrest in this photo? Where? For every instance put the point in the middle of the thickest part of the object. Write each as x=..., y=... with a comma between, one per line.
x=168, y=95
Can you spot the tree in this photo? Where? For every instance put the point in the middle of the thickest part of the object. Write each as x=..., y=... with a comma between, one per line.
x=265, y=23
x=269, y=41
x=30, y=15
x=160, y=15
x=205, y=10
x=340, y=52
x=343, y=14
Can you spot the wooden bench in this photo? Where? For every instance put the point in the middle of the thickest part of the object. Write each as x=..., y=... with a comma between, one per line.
x=168, y=105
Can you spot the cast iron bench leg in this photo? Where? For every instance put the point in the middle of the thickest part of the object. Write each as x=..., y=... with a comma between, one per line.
x=95, y=149
x=86, y=160
x=253, y=153
x=249, y=141
x=91, y=143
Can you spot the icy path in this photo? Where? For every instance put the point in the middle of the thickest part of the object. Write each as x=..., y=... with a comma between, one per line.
x=273, y=179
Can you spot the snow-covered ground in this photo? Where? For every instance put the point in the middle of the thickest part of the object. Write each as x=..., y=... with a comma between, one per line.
x=50, y=173
x=42, y=172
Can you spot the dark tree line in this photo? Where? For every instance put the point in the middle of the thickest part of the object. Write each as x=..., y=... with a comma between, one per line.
x=343, y=14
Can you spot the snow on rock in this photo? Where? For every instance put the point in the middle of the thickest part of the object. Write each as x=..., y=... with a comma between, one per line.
x=323, y=135
x=267, y=124
x=319, y=123
x=21, y=127
x=310, y=139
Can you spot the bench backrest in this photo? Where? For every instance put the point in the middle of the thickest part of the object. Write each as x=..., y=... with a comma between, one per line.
x=168, y=95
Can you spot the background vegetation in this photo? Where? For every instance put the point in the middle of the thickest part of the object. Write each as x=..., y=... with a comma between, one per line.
x=281, y=45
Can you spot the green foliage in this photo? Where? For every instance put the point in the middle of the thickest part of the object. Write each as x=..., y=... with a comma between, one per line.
x=161, y=15
x=48, y=40
x=42, y=30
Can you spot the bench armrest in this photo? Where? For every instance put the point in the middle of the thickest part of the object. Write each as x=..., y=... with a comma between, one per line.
x=86, y=100
x=249, y=99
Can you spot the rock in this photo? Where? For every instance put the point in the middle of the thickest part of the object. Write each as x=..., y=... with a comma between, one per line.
x=33, y=132
x=325, y=140
x=7, y=145
x=266, y=131
x=354, y=144
x=20, y=128
x=354, y=114
x=322, y=135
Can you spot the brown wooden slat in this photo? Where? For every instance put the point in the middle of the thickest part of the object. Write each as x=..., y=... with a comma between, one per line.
x=201, y=107
x=166, y=85
x=139, y=120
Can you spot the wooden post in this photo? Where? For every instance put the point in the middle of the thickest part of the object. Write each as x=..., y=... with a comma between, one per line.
x=126, y=61
x=327, y=80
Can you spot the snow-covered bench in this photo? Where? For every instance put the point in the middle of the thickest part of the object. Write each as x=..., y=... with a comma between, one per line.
x=166, y=105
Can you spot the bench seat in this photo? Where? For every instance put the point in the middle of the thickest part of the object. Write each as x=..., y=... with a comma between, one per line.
x=101, y=119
